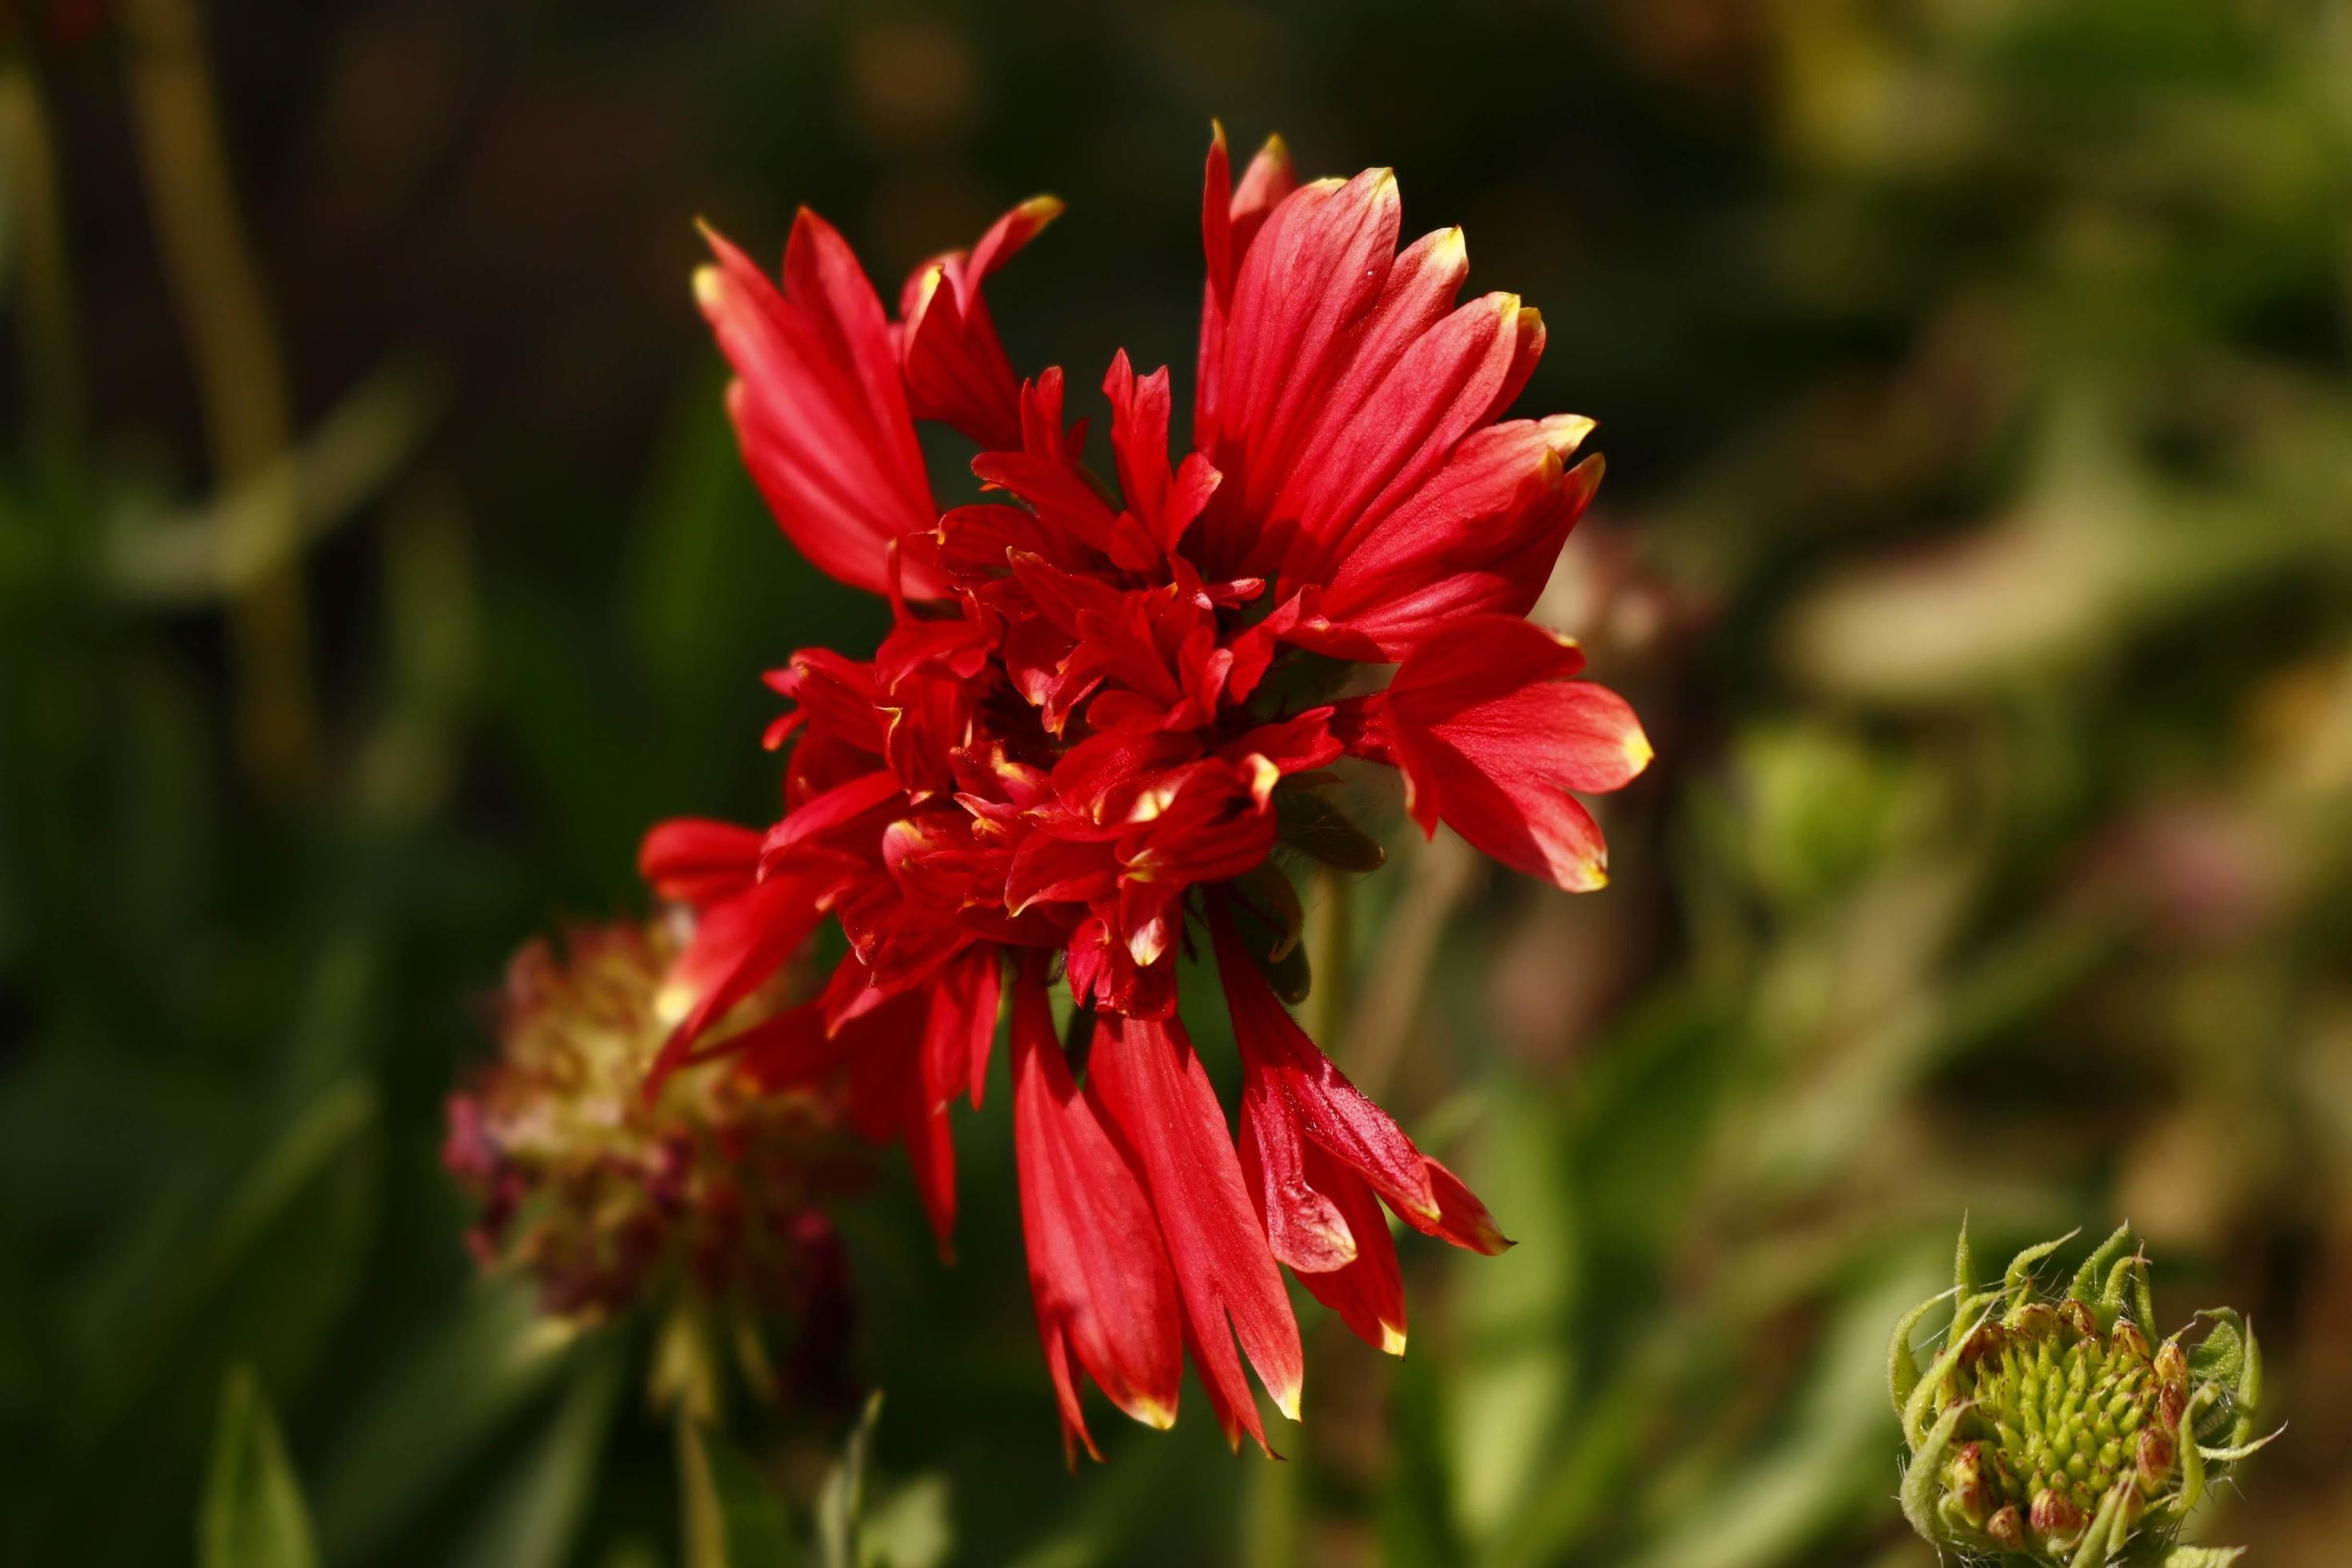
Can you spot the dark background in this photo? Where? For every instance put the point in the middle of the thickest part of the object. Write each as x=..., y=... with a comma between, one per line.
x=1977, y=544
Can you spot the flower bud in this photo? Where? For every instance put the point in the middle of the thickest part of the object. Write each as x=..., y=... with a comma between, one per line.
x=2153, y=1460
x=2033, y=1320
x=2171, y=1400
x=2033, y=1421
x=2056, y=1519
x=1964, y=1485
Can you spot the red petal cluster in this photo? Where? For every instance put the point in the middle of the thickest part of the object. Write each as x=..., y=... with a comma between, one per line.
x=1080, y=738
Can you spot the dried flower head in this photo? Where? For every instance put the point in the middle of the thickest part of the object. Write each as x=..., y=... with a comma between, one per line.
x=603, y=1193
x=2055, y=1429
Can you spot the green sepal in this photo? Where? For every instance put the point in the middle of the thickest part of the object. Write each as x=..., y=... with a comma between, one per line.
x=1922, y=1483
x=1915, y=1409
x=2086, y=1279
x=1269, y=892
x=1902, y=1363
x=1309, y=821
x=2110, y=1528
x=2017, y=1280
x=2192, y=1457
x=2110, y=1304
x=1271, y=939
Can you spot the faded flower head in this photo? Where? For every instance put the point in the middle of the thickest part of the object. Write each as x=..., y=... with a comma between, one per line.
x=605, y=1194
x=2058, y=1429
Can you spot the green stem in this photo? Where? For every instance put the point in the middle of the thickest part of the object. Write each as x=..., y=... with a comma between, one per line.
x=241, y=381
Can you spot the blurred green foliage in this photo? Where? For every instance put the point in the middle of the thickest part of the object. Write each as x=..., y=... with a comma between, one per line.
x=1978, y=545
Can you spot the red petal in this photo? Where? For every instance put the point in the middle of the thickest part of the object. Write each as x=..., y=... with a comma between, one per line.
x=696, y=860
x=1462, y=1219
x=1282, y=1072
x=1300, y=302
x=737, y=945
x=1491, y=735
x=817, y=406
x=1157, y=1097
x=961, y=1027
x=1480, y=538
x=1304, y=1227
x=787, y=1051
x=824, y=812
x=1368, y=1291
x=1383, y=440
x=1097, y=1270
x=1280, y=1061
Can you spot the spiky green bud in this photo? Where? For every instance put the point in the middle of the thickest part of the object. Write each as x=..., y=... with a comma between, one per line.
x=2052, y=1430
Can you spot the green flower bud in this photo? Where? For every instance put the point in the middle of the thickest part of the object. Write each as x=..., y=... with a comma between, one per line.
x=2048, y=1429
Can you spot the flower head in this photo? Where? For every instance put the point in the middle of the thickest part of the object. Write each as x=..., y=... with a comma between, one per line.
x=601, y=1194
x=2056, y=1427
x=1099, y=710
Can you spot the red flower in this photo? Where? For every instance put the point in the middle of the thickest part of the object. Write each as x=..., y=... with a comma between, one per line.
x=1092, y=720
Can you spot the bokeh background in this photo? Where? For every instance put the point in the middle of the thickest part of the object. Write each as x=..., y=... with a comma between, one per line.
x=1976, y=381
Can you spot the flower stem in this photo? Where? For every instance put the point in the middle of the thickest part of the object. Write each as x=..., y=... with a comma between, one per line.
x=241, y=381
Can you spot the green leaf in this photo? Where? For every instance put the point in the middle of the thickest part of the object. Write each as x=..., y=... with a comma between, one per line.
x=2203, y=1556
x=253, y=1515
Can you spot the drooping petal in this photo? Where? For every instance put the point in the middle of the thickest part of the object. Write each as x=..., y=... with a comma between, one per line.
x=1097, y=1270
x=1280, y=1064
x=1304, y=1226
x=818, y=405
x=1368, y=1291
x=1160, y=1101
x=956, y=367
x=1492, y=734
x=1284, y=1074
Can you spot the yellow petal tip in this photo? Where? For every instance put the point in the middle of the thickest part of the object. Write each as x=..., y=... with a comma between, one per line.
x=1392, y=1340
